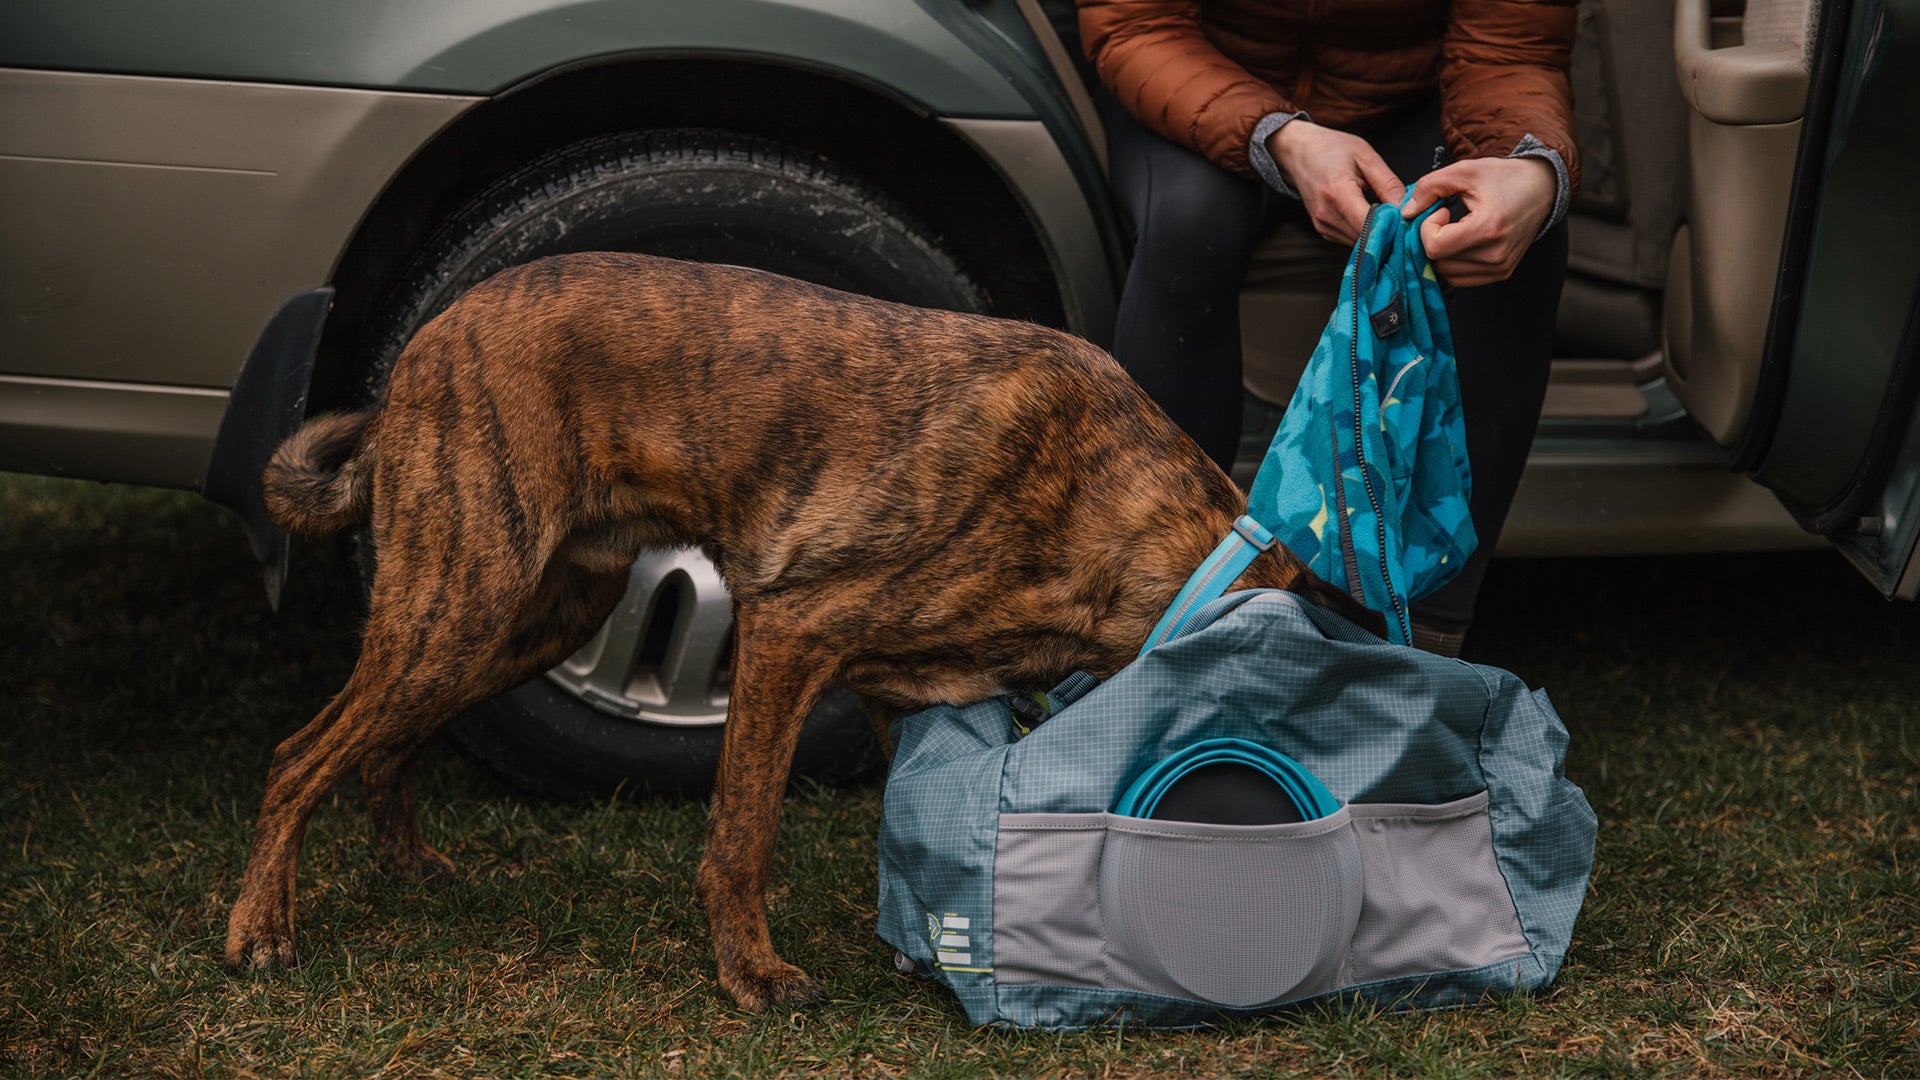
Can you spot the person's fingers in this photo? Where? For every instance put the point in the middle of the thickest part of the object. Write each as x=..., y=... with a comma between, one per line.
x=1478, y=264
x=1441, y=183
x=1462, y=253
x=1351, y=206
x=1431, y=240
x=1373, y=169
x=1338, y=207
x=1422, y=198
x=1474, y=235
x=1484, y=246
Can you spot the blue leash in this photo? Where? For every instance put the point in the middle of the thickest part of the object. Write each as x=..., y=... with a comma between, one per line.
x=1229, y=560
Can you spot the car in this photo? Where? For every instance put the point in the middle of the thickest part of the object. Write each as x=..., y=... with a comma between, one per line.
x=223, y=216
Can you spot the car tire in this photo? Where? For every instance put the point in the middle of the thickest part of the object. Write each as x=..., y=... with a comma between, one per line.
x=592, y=728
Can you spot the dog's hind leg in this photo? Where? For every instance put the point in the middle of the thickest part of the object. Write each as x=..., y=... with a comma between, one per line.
x=386, y=778
x=305, y=767
x=571, y=603
x=777, y=681
x=439, y=638
x=260, y=930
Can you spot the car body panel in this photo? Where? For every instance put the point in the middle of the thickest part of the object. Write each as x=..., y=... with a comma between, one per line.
x=1575, y=502
x=127, y=432
x=1027, y=156
x=154, y=225
x=1793, y=298
x=486, y=46
x=1019, y=38
x=1888, y=551
x=271, y=180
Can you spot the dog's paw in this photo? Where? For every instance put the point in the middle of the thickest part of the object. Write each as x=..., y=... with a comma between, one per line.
x=779, y=984
x=258, y=948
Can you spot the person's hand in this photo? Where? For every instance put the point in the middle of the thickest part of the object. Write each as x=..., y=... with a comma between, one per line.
x=1507, y=200
x=1333, y=172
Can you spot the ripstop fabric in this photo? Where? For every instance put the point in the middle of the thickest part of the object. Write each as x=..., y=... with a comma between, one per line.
x=1452, y=869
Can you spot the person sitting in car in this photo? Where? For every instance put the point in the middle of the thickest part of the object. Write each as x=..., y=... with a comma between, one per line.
x=1226, y=118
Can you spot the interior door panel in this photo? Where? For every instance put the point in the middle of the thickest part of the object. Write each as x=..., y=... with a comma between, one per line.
x=1745, y=83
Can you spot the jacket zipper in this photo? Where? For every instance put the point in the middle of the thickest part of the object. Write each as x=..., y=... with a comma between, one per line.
x=1360, y=453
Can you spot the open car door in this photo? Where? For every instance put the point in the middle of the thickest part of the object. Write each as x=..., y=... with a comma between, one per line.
x=1793, y=294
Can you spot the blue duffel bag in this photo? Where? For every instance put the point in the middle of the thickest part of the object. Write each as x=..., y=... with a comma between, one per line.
x=1442, y=858
x=1270, y=806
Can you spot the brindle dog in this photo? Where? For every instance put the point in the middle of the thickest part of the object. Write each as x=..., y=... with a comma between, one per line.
x=926, y=506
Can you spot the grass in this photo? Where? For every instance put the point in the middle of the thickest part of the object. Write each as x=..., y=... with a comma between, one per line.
x=1744, y=726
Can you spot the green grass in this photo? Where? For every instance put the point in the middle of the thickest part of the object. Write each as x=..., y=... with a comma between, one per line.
x=1745, y=728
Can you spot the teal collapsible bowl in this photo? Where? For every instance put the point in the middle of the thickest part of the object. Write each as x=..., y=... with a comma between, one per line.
x=1227, y=782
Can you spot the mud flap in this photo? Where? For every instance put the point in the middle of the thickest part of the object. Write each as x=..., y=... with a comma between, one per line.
x=266, y=405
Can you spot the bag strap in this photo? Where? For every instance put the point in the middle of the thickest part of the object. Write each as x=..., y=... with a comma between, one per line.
x=1200, y=601
x=1242, y=544
x=1331, y=624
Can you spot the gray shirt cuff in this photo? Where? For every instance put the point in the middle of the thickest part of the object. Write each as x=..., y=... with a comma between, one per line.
x=1262, y=161
x=1532, y=147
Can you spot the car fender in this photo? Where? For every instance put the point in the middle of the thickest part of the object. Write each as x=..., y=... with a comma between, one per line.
x=482, y=47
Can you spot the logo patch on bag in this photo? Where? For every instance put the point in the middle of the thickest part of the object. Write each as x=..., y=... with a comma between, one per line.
x=1388, y=320
x=952, y=947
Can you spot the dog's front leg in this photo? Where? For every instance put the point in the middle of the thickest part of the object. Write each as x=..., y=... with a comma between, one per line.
x=776, y=682
x=882, y=715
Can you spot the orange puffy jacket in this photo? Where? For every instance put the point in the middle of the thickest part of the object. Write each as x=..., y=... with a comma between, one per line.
x=1203, y=72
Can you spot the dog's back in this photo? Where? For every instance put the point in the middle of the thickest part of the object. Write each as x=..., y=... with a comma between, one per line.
x=964, y=491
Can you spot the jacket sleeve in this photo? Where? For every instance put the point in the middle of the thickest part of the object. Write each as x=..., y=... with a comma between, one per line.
x=1157, y=61
x=1503, y=77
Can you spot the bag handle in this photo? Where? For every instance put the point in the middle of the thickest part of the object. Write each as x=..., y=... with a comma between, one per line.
x=1230, y=558
x=1197, y=604
x=1330, y=624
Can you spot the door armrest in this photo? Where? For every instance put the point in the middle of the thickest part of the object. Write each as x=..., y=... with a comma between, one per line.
x=1741, y=84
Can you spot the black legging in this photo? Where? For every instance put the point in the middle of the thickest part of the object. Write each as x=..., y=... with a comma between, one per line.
x=1178, y=331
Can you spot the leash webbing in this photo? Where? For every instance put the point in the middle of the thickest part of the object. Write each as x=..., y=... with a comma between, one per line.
x=1229, y=560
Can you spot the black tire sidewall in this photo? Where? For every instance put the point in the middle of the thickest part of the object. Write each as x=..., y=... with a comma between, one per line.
x=694, y=194
x=544, y=739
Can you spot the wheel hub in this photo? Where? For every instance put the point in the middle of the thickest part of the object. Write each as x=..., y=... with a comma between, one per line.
x=665, y=654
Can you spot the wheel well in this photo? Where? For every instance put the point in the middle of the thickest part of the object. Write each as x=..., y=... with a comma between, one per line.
x=940, y=181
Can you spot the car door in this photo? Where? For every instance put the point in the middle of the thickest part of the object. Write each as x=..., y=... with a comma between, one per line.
x=1793, y=295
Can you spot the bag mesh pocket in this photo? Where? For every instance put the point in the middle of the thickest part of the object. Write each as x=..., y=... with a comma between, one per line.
x=1435, y=898
x=1236, y=915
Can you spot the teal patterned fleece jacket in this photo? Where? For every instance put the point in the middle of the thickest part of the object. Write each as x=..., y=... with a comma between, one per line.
x=1367, y=479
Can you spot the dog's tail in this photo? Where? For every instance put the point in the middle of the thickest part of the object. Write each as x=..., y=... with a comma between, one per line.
x=320, y=481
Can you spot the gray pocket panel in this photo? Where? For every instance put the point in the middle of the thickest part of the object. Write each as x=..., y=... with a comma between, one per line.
x=1435, y=898
x=1238, y=915
x=1046, y=899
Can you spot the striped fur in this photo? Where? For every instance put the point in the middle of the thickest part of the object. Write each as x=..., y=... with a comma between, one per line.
x=318, y=481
